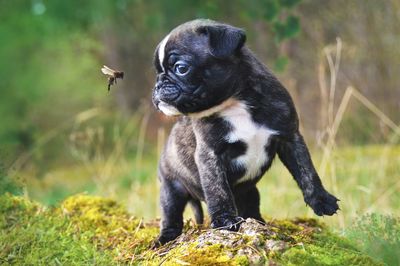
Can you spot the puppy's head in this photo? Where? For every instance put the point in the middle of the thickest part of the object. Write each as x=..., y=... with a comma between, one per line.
x=197, y=67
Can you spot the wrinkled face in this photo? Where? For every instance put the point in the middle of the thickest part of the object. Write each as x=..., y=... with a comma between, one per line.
x=196, y=65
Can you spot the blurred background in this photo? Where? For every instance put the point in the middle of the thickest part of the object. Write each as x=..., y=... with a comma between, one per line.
x=63, y=133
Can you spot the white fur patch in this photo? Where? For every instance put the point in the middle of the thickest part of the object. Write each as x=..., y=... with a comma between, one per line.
x=161, y=51
x=254, y=135
x=168, y=109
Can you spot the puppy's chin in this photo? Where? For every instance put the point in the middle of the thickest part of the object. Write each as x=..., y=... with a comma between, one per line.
x=167, y=109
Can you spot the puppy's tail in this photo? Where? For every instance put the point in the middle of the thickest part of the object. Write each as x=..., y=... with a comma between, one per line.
x=197, y=210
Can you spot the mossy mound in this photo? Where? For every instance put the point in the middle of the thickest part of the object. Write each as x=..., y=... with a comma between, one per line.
x=94, y=230
x=33, y=235
x=278, y=242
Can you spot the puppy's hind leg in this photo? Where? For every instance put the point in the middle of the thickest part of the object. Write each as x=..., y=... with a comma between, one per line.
x=248, y=204
x=197, y=210
x=173, y=199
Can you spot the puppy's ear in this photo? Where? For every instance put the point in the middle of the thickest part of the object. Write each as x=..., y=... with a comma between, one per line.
x=224, y=40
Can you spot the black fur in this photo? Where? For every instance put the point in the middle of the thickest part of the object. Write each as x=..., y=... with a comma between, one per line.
x=198, y=161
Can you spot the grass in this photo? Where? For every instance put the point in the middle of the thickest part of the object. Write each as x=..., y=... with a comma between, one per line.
x=361, y=189
x=378, y=236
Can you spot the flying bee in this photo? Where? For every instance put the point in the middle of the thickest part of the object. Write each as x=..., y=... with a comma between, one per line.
x=112, y=75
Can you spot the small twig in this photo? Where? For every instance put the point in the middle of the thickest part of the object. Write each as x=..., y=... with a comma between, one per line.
x=141, y=138
x=229, y=226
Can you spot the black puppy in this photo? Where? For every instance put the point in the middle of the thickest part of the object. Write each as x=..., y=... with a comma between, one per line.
x=235, y=116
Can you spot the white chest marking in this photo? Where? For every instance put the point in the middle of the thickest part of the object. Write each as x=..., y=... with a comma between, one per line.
x=161, y=51
x=254, y=135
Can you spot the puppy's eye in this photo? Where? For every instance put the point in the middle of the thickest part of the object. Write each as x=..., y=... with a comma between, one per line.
x=181, y=69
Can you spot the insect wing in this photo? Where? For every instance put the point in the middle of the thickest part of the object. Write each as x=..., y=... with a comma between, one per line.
x=107, y=71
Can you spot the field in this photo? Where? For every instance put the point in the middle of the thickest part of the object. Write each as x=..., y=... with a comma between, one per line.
x=364, y=178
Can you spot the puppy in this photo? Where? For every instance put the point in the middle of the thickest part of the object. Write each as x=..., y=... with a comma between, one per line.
x=234, y=117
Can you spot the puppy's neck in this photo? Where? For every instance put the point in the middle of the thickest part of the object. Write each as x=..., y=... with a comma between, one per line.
x=215, y=109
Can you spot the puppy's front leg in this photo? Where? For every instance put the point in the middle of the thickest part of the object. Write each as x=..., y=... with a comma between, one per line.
x=173, y=199
x=295, y=156
x=217, y=192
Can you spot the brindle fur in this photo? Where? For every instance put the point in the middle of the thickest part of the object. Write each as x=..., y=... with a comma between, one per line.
x=198, y=162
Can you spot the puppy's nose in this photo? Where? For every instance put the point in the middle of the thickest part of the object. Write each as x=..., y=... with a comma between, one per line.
x=162, y=78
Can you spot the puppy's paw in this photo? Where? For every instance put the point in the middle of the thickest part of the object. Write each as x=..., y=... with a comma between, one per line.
x=156, y=243
x=323, y=203
x=160, y=241
x=165, y=237
x=227, y=222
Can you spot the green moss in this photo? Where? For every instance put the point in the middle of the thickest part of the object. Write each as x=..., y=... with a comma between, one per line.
x=30, y=235
x=192, y=254
x=94, y=212
x=204, y=256
x=242, y=260
x=108, y=225
x=84, y=230
x=326, y=254
x=294, y=231
x=13, y=205
x=325, y=248
x=94, y=230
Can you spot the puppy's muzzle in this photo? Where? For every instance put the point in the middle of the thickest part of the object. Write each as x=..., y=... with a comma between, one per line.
x=167, y=92
x=164, y=96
